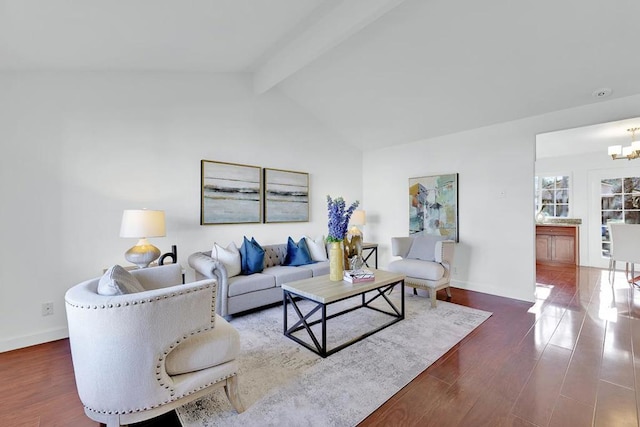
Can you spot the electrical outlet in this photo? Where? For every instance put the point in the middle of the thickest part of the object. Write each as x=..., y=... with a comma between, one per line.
x=455, y=270
x=47, y=309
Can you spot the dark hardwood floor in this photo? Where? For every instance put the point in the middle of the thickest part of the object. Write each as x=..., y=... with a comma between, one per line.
x=567, y=360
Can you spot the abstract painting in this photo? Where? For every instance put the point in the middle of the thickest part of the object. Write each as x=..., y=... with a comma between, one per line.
x=230, y=193
x=433, y=205
x=286, y=196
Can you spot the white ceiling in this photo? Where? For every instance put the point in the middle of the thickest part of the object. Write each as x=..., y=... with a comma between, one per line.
x=378, y=72
x=174, y=35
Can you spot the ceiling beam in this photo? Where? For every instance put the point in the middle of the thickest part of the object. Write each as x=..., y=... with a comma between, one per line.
x=334, y=27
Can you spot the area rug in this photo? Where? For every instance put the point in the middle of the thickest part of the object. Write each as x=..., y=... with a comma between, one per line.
x=284, y=384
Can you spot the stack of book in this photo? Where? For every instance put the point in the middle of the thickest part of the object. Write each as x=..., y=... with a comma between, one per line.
x=358, y=276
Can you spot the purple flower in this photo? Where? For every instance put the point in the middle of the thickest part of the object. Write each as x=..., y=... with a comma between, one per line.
x=339, y=218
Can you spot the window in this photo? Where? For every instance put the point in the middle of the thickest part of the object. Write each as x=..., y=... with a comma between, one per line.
x=552, y=195
x=620, y=202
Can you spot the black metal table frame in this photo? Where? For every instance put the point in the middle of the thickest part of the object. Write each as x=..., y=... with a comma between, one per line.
x=321, y=348
x=373, y=250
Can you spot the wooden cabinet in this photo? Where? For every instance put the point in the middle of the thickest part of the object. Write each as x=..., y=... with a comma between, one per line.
x=557, y=245
x=543, y=248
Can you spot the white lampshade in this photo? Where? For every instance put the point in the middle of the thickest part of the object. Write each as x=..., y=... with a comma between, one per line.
x=615, y=150
x=359, y=217
x=141, y=223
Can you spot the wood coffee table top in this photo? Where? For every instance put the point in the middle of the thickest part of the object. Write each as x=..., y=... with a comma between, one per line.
x=322, y=290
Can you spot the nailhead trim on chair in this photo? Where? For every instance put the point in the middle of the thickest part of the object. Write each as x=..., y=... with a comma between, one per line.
x=162, y=358
x=146, y=408
x=126, y=304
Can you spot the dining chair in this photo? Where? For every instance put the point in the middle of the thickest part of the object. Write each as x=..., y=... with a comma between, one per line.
x=625, y=247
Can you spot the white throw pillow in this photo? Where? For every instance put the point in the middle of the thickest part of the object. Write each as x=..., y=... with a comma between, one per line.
x=229, y=256
x=317, y=248
x=118, y=281
x=424, y=247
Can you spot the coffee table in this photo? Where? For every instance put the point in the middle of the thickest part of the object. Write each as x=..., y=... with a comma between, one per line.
x=323, y=292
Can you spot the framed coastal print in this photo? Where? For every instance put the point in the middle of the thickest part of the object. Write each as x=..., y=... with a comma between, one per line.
x=230, y=193
x=286, y=196
x=433, y=206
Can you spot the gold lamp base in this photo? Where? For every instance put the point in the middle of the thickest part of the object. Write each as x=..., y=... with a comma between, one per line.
x=353, y=251
x=142, y=254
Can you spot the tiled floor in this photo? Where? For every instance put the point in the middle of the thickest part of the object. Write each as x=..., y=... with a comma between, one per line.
x=597, y=333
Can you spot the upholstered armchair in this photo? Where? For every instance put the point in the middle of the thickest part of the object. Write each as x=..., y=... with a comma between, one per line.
x=425, y=261
x=138, y=355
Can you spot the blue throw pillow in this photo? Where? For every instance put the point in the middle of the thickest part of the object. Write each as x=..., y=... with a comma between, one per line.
x=297, y=253
x=252, y=256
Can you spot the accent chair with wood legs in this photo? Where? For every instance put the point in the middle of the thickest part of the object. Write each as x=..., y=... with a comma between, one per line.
x=426, y=262
x=139, y=355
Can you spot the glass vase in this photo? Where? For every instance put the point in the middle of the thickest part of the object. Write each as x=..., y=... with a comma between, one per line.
x=336, y=261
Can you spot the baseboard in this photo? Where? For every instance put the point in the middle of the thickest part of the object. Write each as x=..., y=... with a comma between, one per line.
x=29, y=340
x=491, y=290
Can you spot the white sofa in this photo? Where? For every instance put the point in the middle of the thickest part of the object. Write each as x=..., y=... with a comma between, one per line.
x=425, y=261
x=139, y=355
x=241, y=293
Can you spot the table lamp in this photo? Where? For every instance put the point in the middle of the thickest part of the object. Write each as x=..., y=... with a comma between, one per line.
x=359, y=217
x=140, y=224
x=353, y=242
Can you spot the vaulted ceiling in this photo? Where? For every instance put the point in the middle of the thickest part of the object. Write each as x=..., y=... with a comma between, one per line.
x=378, y=72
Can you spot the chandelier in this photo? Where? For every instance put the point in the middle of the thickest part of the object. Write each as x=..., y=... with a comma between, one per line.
x=629, y=152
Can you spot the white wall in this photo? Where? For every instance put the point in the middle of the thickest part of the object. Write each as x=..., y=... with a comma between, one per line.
x=584, y=169
x=78, y=148
x=496, y=253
